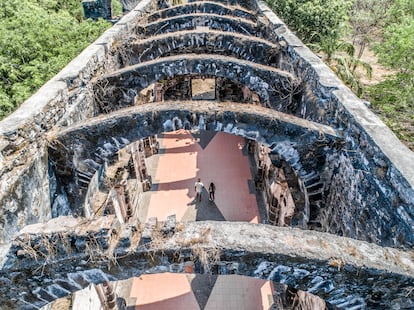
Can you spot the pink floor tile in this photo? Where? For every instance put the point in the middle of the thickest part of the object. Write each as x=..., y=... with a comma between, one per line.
x=164, y=291
x=236, y=293
x=221, y=162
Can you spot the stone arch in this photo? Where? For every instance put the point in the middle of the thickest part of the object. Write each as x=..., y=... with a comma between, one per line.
x=180, y=88
x=118, y=89
x=212, y=21
x=248, y=4
x=79, y=150
x=201, y=42
x=202, y=7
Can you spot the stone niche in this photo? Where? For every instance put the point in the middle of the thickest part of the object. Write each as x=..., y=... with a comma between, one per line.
x=97, y=9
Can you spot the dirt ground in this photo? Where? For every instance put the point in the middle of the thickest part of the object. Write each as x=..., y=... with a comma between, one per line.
x=379, y=72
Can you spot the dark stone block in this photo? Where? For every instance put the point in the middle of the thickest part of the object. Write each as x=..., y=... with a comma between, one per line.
x=80, y=244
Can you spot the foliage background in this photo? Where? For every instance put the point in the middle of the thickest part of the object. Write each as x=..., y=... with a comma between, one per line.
x=37, y=39
x=340, y=31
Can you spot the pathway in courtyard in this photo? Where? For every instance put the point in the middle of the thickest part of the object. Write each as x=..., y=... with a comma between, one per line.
x=214, y=157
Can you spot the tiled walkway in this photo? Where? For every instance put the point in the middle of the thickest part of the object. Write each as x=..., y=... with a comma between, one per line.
x=213, y=157
x=168, y=291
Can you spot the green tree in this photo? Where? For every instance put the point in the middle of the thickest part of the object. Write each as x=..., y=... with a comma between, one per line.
x=397, y=48
x=313, y=19
x=37, y=39
x=340, y=56
x=367, y=22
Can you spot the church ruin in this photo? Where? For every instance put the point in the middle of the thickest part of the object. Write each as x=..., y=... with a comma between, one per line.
x=334, y=186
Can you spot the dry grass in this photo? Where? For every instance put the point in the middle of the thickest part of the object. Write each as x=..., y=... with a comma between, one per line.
x=206, y=256
x=158, y=238
x=62, y=304
x=337, y=263
x=27, y=248
x=135, y=238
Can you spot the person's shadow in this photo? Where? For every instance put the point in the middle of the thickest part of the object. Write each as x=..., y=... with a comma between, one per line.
x=207, y=210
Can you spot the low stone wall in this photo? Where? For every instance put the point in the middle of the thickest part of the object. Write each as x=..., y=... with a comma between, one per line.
x=240, y=46
x=202, y=7
x=48, y=261
x=192, y=21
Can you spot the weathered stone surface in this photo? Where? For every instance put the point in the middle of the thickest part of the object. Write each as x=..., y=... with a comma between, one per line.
x=376, y=204
x=341, y=270
x=247, y=4
x=288, y=135
x=361, y=185
x=201, y=42
x=97, y=9
x=24, y=195
x=193, y=21
x=202, y=7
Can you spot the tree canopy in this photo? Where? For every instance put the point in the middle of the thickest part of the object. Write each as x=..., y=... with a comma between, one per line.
x=394, y=97
x=37, y=39
x=313, y=20
x=341, y=30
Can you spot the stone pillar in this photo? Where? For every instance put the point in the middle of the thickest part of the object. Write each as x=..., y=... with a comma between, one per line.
x=97, y=8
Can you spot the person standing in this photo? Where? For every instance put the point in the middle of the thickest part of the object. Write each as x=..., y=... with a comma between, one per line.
x=198, y=187
x=211, y=191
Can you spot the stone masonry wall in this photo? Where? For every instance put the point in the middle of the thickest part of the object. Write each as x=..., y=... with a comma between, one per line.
x=96, y=140
x=118, y=89
x=380, y=163
x=48, y=261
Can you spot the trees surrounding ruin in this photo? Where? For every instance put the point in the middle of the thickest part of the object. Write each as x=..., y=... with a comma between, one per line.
x=39, y=37
x=342, y=30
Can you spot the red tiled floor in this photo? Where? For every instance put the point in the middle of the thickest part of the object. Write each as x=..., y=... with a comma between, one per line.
x=238, y=292
x=175, y=175
x=163, y=291
x=222, y=162
x=176, y=291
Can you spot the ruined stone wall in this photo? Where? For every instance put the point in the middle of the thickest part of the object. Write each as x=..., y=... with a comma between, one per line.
x=118, y=89
x=96, y=140
x=369, y=153
x=50, y=260
x=357, y=176
x=64, y=100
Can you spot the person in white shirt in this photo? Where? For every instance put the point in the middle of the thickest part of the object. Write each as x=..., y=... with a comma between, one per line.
x=198, y=187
